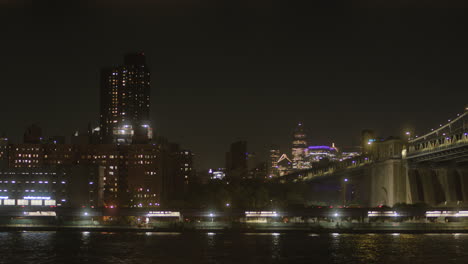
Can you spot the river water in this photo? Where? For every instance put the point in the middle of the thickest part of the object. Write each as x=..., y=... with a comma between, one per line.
x=168, y=248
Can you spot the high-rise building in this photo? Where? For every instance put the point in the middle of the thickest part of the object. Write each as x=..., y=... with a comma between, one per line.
x=125, y=102
x=299, y=147
x=3, y=151
x=273, y=163
x=237, y=160
x=284, y=165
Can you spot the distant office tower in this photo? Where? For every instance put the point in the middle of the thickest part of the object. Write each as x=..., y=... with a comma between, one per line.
x=273, y=163
x=284, y=165
x=125, y=102
x=367, y=139
x=299, y=147
x=236, y=160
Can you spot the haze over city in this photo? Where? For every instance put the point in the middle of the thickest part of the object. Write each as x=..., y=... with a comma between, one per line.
x=245, y=70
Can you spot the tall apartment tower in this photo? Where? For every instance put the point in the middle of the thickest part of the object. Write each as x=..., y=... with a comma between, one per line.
x=125, y=102
x=299, y=147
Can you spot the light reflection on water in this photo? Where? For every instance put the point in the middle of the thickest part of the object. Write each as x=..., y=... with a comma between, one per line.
x=152, y=247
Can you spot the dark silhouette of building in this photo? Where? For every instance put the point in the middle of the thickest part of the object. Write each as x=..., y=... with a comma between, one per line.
x=33, y=134
x=176, y=170
x=125, y=102
x=237, y=160
x=3, y=151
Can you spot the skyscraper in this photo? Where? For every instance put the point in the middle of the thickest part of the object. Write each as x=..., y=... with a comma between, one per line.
x=125, y=102
x=273, y=162
x=299, y=147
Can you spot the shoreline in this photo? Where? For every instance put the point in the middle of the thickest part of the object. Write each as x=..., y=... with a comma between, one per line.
x=229, y=231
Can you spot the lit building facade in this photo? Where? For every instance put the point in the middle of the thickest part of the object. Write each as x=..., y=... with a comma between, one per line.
x=284, y=165
x=125, y=102
x=217, y=174
x=349, y=155
x=33, y=187
x=127, y=170
x=318, y=153
x=3, y=151
x=273, y=163
x=299, y=148
x=185, y=160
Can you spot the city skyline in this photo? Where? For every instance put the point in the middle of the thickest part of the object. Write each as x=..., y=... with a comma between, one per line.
x=248, y=131
x=239, y=78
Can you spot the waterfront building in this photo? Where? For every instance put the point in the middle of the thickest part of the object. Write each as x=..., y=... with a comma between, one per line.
x=125, y=102
x=33, y=187
x=140, y=175
x=65, y=186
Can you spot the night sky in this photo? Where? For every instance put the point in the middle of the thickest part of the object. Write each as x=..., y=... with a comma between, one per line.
x=239, y=69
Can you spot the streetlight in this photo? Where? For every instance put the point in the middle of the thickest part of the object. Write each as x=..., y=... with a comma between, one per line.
x=212, y=215
x=345, y=184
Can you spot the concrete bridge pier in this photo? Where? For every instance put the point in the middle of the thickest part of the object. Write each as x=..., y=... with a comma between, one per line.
x=433, y=193
x=415, y=191
x=442, y=186
x=450, y=184
x=462, y=182
x=425, y=186
x=388, y=183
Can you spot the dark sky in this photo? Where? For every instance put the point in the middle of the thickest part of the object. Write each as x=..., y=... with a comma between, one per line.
x=239, y=69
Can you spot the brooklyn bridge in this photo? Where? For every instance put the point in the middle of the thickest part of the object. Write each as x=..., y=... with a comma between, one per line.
x=430, y=169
